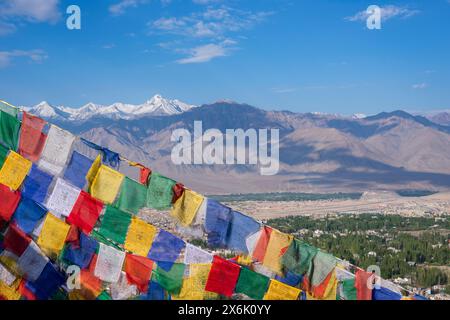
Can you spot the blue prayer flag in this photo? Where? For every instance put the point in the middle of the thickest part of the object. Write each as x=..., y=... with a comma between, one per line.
x=77, y=169
x=166, y=248
x=28, y=214
x=36, y=184
x=82, y=255
x=217, y=222
x=385, y=294
x=240, y=228
x=290, y=278
x=48, y=282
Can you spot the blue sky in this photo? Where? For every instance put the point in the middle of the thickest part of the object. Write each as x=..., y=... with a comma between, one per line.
x=310, y=55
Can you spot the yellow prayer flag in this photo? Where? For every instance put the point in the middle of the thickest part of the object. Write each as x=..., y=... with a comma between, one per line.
x=280, y=291
x=194, y=286
x=14, y=170
x=140, y=237
x=106, y=184
x=330, y=292
x=10, y=292
x=53, y=235
x=276, y=247
x=186, y=207
x=94, y=169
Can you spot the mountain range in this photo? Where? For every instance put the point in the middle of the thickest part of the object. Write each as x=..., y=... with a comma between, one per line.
x=318, y=152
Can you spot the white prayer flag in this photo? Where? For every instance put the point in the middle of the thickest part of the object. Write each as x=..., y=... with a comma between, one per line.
x=63, y=198
x=6, y=277
x=123, y=290
x=56, y=151
x=32, y=262
x=109, y=263
x=193, y=255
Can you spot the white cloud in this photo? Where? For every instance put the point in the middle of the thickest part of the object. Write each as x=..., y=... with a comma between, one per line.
x=284, y=90
x=420, y=86
x=33, y=11
x=387, y=12
x=6, y=28
x=205, y=53
x=36, y=56
x=119, y=8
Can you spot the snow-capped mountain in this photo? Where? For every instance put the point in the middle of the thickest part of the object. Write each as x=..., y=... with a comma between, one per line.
x=157, y=106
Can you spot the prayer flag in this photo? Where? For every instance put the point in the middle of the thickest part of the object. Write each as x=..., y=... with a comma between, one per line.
x=9, y=200
x=348, y=289
x=155, y=292
x=194, y=286
x=14, y=170
x=77, y=170
x=281, y=291
x=81, y=255
x=132, y=196
x=196, y=255
x=241, y=227
x=289, y=278
x=385, y=294
x=222, y=277
x=139, y=271
x=85, y=212
x=106, y=184
x=56, y=151
x=252, y=284
x=114, y=224
x=109, y=263
x=36, y=184
x=140, y=237
x=169, y=276
x=32, y=139
x=32, y=262
x=186, y=207
x=3, y=154
x=324, y=264
x=166, y=247
x=28, y=214
x=92, y=173
x=362, y=280
x=278, y=243
x=123, y=290
x=9, y=130
x=62, y=199
x=48, y=282
x=16, y=240
x=298, y=257
x=53, y=235
x=217, y=223
x=160, y=193
x=9, y=109
x=326, y=291
x=261, y=246
x=110, y=158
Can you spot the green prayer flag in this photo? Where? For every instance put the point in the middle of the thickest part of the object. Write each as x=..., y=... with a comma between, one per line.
x=171, y=280
x=298, y=257
x=349, y=290
x=252, y=284
x=132, y=196
x=104, y=296
x=3, y=154
x=160, y=193
x=10, y=110
x=323, y=264
x=9, y=130
x=114, y=224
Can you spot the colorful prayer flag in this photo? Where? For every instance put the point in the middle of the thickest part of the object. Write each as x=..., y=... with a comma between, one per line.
x=32, y=262
x=160, y=193
x=223, y=277
x=56, y=151
x=278, y=244
x=53, y=235
x=63, y=198
x=77, y=170
x=139, y=271
x=106, y=184
x=281, y=291
x=16, y=240
x=14, y=170
x=241, y=227
x=81, y=254
x=132, y=196
x=9, y=130
x=252, y=284
x=194, y=285
x=9, y=201
x=109, y=263
x=169, y=276
x=85, y=212
x=140, y=237
x=186, y=207
x=28, y=214
x=298, y=257
x=32, y=139
x=217, y=223
x=36, y=184
x=166, y=247
x=114, y=224
x=196, y=255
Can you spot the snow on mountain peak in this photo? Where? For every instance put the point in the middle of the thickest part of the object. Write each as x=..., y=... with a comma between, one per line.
x=157, y=105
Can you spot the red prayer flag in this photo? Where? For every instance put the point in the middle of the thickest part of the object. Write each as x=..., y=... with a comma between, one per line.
x=25, y=292
x=9, y=201
x=32, y=139
x=178, y=190
x=145, y=173
x=139, y=271
x=85, y=212
x=16, y=240
x=363, y=291
x=261, y=247
x=222, y=277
